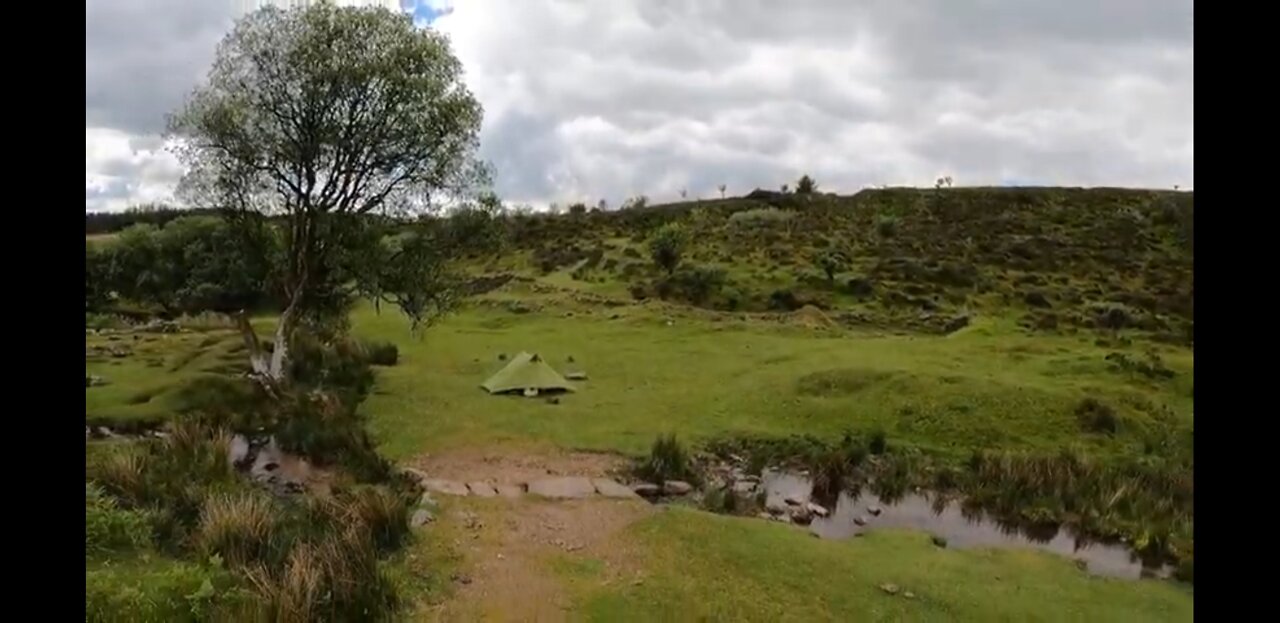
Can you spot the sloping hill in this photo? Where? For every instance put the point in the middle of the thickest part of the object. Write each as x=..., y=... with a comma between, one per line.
x=1058, y=259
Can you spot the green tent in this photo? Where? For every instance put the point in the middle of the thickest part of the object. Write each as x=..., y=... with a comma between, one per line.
x=526, y=373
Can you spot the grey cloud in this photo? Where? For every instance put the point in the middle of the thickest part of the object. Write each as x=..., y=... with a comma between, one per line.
x=608, y=99
x=143, y=56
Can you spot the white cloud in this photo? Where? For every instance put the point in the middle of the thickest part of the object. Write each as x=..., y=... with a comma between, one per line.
x=612, y=98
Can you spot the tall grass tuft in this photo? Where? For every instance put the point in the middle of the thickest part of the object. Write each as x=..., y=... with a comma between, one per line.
x=667, y=460
x=240, y=527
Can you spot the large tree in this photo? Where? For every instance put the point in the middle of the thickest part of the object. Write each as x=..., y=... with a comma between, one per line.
x=332, y=119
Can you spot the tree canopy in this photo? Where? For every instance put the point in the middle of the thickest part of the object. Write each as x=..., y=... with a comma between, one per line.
x=333, y=119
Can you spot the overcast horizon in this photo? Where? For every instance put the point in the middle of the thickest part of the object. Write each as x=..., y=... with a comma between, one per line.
x=615, y=98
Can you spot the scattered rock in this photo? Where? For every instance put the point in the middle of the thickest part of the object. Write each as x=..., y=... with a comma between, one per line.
x=565, y=487
x=939, y=541
x=817, y=509
x=447, y=487
x=509, y=491
x=795, y=501
x=763, y=515
x=461, y=578
x=890, y=588
x=238, y=451
x=576, y=376
x=482, y=489
x=421, y=517
x=427, y=501
x=909, y=594
x=875, y=511
x=860, y=520
x=743, y=487
x=646, y=489
x=93, y=380
x=800, y=515
x=676, y=487
x=612, y=489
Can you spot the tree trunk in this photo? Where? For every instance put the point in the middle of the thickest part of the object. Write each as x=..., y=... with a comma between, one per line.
x=270, y=370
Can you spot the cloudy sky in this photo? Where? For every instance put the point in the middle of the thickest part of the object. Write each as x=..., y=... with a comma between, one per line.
x=590, y=99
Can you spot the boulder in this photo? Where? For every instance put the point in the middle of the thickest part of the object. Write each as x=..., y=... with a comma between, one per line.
x=793, y=501
x=612, y=489
x=676, y=487
x=875, y=511
x=646, y=489
x=860, y=520
x=446, y=487
x=564, y=487
x=482, y=489
x=743, y=487
x=890, y=588
x=800, y=515
x=421, y=517
x=817, y=509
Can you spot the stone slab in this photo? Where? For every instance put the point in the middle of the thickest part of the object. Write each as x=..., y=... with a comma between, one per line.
x=612, y=489
x=565, y=487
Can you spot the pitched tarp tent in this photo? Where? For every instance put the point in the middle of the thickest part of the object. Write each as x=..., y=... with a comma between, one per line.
x=526, y=373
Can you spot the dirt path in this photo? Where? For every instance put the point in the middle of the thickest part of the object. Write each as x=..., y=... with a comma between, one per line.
x=512, y=547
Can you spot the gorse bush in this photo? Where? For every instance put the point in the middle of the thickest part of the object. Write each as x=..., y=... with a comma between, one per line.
x=667, y=247
x=667, y=460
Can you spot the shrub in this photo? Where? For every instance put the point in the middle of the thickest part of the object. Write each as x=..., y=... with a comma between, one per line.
x=382, y=353
x=887, y=226
x=107, y=527
x=667, y=247
x=860, y=287
x=831, y=261
x=784, y=300
x=667, y=460
x=879, y=443
x=699, y=283
x=1096, y=416
x=806, y=185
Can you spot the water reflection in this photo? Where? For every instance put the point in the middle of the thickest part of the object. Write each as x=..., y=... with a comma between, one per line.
x=963, y=525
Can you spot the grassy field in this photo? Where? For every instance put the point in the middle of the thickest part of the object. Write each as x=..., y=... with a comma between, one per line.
x=991, y=385
x=1056, y=287
x=143, y=383
x=698, y=566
